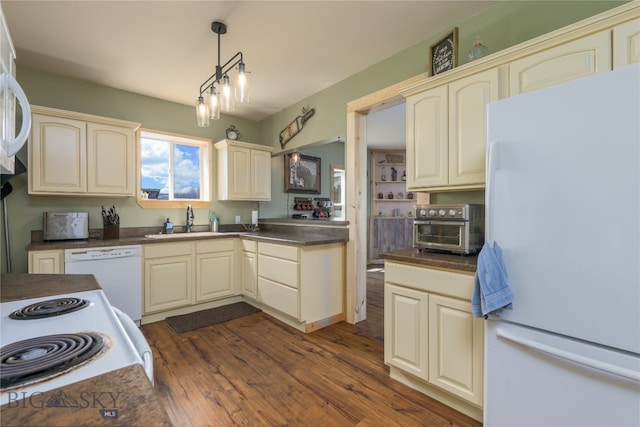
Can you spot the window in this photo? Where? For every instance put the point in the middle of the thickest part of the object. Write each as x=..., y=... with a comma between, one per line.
x=337, y=191
x=174, y=170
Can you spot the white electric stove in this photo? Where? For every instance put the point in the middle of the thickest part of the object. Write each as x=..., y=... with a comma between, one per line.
x=89, y=329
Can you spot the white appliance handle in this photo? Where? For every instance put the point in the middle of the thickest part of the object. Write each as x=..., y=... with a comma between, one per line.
x=492, y=167
x=14, y=146
x=567, y=355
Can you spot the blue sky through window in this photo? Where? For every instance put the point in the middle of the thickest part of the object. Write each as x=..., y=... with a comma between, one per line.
x=156, y=171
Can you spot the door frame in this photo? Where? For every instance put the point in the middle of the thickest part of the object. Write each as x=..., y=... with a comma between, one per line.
x=356, y=192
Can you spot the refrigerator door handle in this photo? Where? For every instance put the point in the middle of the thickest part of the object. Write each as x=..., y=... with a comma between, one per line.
x=492, y=167
x=567, y=355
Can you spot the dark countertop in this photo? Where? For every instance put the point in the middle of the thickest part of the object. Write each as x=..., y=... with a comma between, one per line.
x=284, y=233
x=15, y=287
x=136, y=403
x=119, y=398
x=459, y=263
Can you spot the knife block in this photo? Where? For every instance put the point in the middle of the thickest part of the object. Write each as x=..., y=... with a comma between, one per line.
x=111, y=232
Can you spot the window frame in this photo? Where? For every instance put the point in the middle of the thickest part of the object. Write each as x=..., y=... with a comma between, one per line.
x=206, y=170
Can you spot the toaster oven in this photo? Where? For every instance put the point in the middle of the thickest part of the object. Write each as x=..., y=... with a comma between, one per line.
x=66, y=225
x=455, y=228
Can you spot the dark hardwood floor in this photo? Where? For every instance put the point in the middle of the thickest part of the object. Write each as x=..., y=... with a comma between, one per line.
x=257, y=371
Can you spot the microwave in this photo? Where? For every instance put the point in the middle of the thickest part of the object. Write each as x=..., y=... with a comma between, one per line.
x=454, y=228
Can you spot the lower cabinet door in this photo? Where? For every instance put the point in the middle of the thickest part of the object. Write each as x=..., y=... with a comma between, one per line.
x=455, y=348
x=249, y=274
x=406, y=329
x=167, y=283
x=46, y=262
x=214, y=275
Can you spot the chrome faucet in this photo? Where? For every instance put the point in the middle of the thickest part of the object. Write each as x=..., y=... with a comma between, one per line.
x=189, y=218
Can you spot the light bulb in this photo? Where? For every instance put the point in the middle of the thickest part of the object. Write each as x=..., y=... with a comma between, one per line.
x=214, y=104
x=242, y=86
x=202, y=112
x=227, y=100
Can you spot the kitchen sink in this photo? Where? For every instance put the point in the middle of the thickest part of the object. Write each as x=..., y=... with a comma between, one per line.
x=185, y=235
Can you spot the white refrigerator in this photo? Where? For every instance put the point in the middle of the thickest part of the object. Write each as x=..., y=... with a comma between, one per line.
x=563, y=203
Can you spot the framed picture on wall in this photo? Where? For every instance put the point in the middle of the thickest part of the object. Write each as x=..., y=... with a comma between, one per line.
x=302, y=176
x=444, y=54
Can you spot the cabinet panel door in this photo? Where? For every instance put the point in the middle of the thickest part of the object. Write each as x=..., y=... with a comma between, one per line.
x=468, y=99
x=110, y=154
x=455, y=348
x=626, y=43
x=239, y=173
x=167, y=283
x=249, y=274
x=46, y=262
x=580, y=58
x=214, y=275
x=57, y=155
x=261, y=175
x=427, y=139
x=405, y=329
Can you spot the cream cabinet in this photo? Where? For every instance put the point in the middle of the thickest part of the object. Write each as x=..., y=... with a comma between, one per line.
x=46, y=262
x=569, y=61
x=446, y=133
x=78, y=154
x=180, y=274
x=406, y=322
x=215, y=269
x=302, y=285
x=168, y=276
x=626, y=43
x=249, y=268
x=432, y=341
x=244, y=171
x=455, y=348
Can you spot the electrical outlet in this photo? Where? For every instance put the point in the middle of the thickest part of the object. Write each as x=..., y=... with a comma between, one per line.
x=238, y=220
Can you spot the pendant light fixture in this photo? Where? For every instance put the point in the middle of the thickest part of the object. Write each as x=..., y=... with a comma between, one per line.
x=212, y=99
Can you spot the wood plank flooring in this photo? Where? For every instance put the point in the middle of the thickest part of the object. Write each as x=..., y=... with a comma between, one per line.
x=257, y=371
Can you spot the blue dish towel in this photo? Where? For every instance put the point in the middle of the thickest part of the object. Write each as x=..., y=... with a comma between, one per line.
x=491, y=291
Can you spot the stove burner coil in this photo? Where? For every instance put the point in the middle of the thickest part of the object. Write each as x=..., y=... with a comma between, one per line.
x=49, y=308
x=41, y=357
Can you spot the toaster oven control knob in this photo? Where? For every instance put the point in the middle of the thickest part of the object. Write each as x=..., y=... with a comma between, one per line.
x=423, y=212
x=432, y=212
x=442, y=212
x=452, y=212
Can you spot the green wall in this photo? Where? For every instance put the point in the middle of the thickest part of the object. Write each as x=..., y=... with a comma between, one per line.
x=504, y=25
x=507, y=24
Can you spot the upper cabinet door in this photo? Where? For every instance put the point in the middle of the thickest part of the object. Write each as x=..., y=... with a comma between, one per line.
x=626, y=43
x=468, y=99
x=427, y=139
x=239, y=173
x=57, y=156
x=110, y=154
x=570, y=61
x=261, y=174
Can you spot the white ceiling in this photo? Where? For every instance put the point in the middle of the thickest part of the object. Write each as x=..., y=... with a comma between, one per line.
x=166, y=49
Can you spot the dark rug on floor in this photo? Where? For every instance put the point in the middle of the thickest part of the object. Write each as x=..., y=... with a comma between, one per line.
x=200, y=319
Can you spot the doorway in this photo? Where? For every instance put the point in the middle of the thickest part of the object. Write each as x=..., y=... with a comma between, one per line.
x=356, y=164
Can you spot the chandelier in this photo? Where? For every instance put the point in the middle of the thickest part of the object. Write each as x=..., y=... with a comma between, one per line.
x=212, y=99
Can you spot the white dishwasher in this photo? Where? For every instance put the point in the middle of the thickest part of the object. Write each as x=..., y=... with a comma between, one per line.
x=118, y=270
